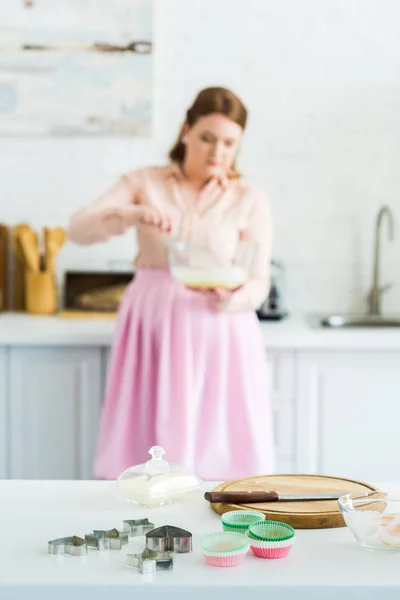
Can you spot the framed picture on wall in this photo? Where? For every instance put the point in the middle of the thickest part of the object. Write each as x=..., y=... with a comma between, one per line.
x=76, y=67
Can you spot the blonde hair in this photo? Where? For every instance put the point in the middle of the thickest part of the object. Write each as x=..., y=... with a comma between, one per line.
x=212, y=100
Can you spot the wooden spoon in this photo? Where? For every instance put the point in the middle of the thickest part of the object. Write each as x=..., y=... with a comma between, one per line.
x=53, y=241
x=28, y=243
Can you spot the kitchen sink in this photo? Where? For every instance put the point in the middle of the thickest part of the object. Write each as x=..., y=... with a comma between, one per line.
x=346, y=321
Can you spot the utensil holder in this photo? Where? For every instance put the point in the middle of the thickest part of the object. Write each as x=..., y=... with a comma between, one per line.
x=41, y=293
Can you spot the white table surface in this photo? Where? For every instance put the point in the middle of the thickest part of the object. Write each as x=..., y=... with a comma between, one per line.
x=323, y=564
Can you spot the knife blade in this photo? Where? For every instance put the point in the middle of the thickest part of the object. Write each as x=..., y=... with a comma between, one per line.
x=250, y=497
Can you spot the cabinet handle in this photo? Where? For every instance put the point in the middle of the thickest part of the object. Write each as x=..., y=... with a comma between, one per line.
x=275, y=374
x=276, y=428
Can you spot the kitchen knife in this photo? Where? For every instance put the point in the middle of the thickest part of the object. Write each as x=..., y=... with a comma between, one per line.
x=270, y=496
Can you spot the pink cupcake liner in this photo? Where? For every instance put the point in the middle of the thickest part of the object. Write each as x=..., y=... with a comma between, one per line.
x=270, y=549
x=232, y=560
x=224, y=549
x=270, y=552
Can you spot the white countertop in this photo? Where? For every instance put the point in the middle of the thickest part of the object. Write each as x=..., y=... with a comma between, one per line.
x=326, y=564
x=292, y=333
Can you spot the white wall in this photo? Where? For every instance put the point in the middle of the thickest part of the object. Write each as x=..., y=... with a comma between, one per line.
x=321, y=80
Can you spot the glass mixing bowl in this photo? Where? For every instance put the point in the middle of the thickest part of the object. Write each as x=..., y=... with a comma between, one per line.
x=373, y=518
x=200, y=267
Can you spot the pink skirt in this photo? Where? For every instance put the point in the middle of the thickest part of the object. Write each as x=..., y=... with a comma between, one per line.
x=187, y=377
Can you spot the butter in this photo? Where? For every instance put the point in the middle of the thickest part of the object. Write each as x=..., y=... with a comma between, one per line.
x=162, y=488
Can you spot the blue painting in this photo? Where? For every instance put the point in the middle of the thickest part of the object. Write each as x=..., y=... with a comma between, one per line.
x=76, y=67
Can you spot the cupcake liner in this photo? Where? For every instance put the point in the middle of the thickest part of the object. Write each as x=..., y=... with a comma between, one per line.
x=270, y=548
x=271, y=531
x=240, y=520
x=271, y=552
x=226, y=552
x=269, y=544
x=226, y=541
x=224, y=549
x=224, y=561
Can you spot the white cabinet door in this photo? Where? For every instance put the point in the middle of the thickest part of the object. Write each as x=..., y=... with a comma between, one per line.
x=3, y=414
x=54, y=396
x=105, y=361
x=281, y=371
x=348, y=415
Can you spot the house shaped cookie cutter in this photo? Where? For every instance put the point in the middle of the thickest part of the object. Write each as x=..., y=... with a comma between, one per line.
x=73, y=545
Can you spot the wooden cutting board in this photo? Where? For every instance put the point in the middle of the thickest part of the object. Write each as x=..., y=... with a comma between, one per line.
x=300, y=515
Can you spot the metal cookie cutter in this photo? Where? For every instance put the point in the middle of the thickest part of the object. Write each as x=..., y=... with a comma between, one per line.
x=115, y=538
x=137, y=527
x=168, y=538
x=98, y=541
x=149, y=561
x=74, y=545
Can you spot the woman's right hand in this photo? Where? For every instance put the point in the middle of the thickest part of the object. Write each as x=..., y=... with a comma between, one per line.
x=121, y=218
x=148, y=215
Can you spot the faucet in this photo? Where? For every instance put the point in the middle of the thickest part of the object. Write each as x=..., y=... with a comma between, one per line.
x=374, y=297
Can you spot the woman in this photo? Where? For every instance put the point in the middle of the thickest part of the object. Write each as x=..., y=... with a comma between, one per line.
x=187, y=368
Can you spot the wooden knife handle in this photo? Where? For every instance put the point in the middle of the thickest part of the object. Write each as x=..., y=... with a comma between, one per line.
x=241, y=497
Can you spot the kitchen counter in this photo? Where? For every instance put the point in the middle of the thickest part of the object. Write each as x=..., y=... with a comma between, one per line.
x=293, y=333
x=326, y=564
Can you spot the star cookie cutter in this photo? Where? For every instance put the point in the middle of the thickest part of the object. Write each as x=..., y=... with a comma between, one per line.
x=98, y=541
x=137, y=527
x=116, y=539
x=150, y=561
x=169, y=539
x=73, y=545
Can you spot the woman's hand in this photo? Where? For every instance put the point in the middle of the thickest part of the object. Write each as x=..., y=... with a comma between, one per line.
x=148, y=215
x=119, y=219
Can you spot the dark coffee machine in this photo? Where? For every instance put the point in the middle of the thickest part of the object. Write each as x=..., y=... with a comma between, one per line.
x=274, y=306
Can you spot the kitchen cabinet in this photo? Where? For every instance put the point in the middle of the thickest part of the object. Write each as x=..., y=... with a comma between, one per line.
x=3, y=413
x=281, y=373
x=54, y=404
x=348, y=414
x=335, y=412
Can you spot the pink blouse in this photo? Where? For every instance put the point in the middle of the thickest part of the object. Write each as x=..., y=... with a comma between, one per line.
x=213, y=217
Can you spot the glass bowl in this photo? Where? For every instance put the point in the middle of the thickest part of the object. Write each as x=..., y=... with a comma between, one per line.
x=201, y=267
x=373, y=518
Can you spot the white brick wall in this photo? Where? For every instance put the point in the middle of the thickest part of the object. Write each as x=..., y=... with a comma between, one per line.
x=321, y=80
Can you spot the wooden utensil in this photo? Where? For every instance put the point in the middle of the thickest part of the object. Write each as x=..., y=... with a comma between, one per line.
x=4, y=268
x=300, y=515
x=29, y=245
x=53, y=241
x=18, y=302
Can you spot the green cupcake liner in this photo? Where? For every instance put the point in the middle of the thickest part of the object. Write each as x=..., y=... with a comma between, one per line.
x=271, y=531
x=240, y=520
x=224, y=543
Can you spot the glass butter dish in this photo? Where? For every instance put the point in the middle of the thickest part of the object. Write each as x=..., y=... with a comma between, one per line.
x=157, y=483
